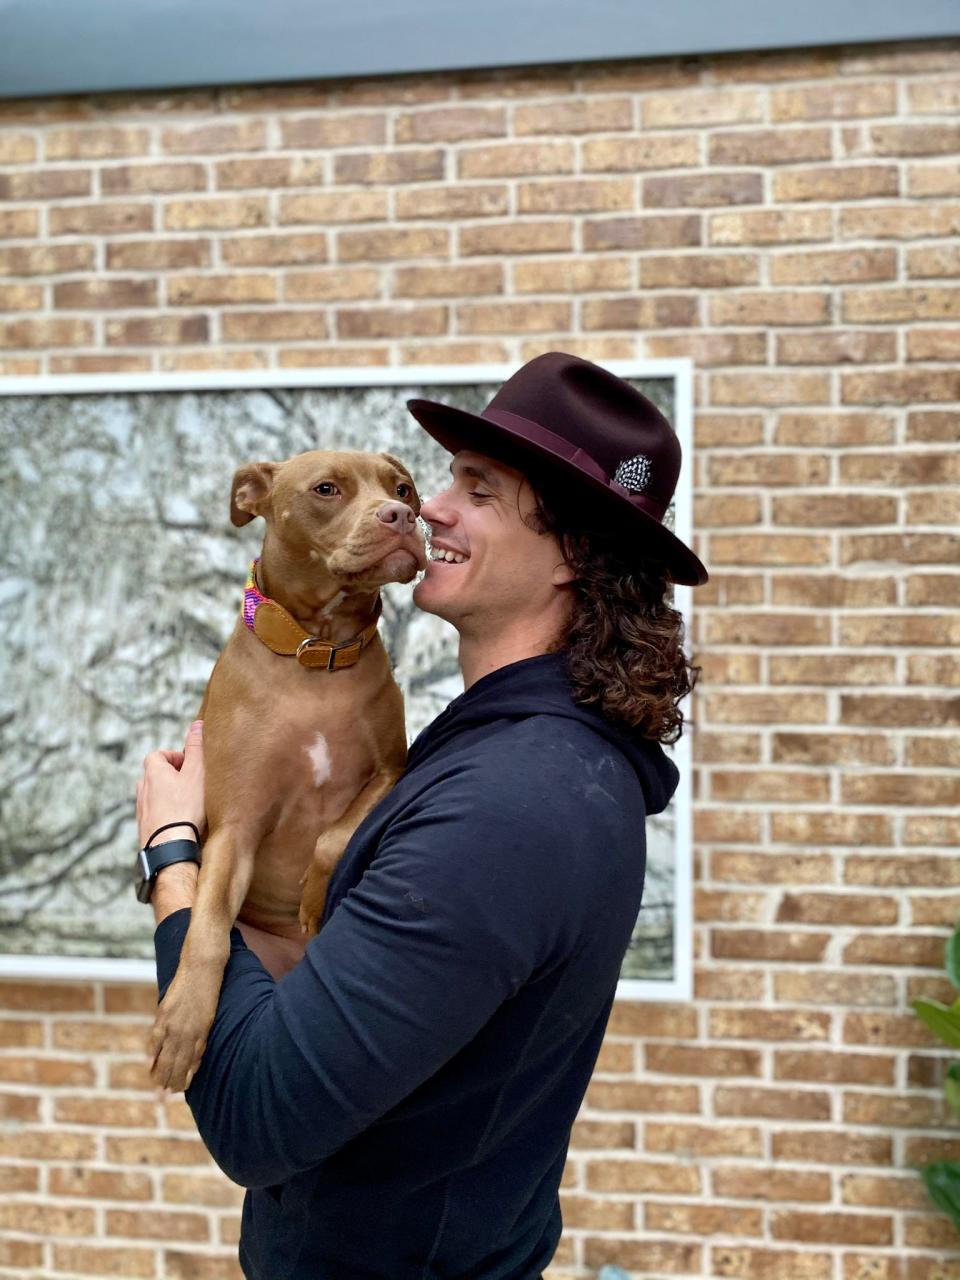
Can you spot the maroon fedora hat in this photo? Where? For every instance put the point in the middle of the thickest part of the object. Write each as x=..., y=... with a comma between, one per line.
x=589, y=425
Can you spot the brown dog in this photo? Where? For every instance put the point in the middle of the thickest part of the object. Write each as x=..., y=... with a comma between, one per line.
x=303, y=722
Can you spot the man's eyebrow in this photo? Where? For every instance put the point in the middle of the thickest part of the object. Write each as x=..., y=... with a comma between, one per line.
x=477, y=473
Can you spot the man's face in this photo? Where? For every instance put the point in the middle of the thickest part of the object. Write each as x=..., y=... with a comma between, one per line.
x=503, y=571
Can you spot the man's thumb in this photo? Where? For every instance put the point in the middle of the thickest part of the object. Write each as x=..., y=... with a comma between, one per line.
x=193, y=747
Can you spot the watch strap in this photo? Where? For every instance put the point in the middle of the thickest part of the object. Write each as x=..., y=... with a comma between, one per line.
x=153, y=860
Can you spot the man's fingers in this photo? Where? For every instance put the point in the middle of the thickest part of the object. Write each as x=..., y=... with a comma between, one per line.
x=193, y=747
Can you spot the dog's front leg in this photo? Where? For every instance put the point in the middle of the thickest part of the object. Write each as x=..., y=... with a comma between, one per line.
x=185, y=1015
x=330, y=846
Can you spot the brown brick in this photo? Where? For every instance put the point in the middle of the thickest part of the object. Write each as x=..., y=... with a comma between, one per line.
x=218, y=289
x=45, y=332
x=200, y=1266
x=772, y=868
x=223, y=359
x=832, y=668
x=157, y=255
x=590, y=1135
x=422, y=165
x=901, y=789
x=916, y=950
x=450, y=123
x=636, y=1018
x=149, y=331
x=103, y=1184
x=638, y=1176
x=770, y=226
x=831, y=748
x=195, y=1189
x=639, y=1096
x=240, y=135
x=45, y=184
x=699, y=1140
x=110, y=294
x=933, y=261
x=713, y=905
x=17, y=148
x=347, y=129
x=835, y=101
x=915, y=139
x=832, y=429
x=900, y=386
x=332, y=357
x=766, y=708
x=786, y=1104
x=751, y=1263
x=851, y=989
x=155, y=1149
x=836, y=509
x=765, y=1024
x=18, y=222
x=907, y=871
x=334, y=284
x=819, y=1146
x=383, y=245
x=639, y=153
x=769, y=146
x=933, y=180
x=733, y=983
x=216, y=213
x=709, y=349
x=333, y=206
x=832, y=1228
x=702, y=107
x=769, y=388
x=118, y=218
x=936, y=751
x=769, y=944
x=157, y=1223
x=732, y=589
x=769, y=308
x=453, y=353
x=726, y=826
x=703, y=190
x=707, y=271
x=46, y=1071
x=843, y=182
x=478, y=200
x=934, y=97
x=131, y=1113
x=598, y=1213
x=514, y=159
x=95, y=142
x=271, y=326
x=732, y=627
x=895, y=548
x=846, y=346
x=930, y=668
x=702, y=1219
x=770, y=549
x=903, y=710
x=829, y=1066
x=272, y=250
x=882, y=1192
x=650, y=312
x=141, y=179
x=915, y=302
x=896, y=1030
x=389, y=322
x=47, y=1219
x=513, y=317
x=270, y=172
x=694, y=1060
x=769, y=786
x=837, y=908
x=516, y=237
x=933, y=344
x=647, y=1254
x=575, y=195
x=833, y=266
x=21, y=1033
x=899, y=221
x=564, y=275
x=21, y=297
x=770, y=1183
x=719, y=510
x=831, y=828
x=653, y=231
x=586, y=115
x=101, y=1262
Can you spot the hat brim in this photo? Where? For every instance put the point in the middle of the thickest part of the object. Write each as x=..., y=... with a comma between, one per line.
x=457, y=429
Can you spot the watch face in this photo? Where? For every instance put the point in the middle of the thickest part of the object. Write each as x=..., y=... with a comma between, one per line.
x=141, y=878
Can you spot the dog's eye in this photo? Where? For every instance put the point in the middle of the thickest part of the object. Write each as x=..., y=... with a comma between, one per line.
x=326, y=489
x=404, y=490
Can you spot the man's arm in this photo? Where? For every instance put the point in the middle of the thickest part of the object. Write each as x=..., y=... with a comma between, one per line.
x=457, y=911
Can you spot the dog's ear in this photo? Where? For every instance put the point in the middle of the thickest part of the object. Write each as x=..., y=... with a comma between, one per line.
x=251, y=485
x=395, y=462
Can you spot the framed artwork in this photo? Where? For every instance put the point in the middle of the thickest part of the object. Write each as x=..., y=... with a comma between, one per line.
x=120, y=578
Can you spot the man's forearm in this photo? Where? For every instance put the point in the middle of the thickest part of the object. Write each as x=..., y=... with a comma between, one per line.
x=174, y=888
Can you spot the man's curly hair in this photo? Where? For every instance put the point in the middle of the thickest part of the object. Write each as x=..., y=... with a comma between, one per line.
x=624, y=641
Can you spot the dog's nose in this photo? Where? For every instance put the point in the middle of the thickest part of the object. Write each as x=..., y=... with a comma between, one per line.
x=398, y=514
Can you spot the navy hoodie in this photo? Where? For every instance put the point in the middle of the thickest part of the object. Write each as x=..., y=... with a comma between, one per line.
x=399, y=1105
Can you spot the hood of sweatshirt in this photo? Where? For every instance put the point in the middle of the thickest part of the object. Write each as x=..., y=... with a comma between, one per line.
x=537, y=687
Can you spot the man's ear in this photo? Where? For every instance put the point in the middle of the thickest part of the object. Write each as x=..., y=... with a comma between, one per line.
x=563, y=572
x=252, y=484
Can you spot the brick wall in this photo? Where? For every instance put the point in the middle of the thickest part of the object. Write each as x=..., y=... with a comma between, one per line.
x=788, y=220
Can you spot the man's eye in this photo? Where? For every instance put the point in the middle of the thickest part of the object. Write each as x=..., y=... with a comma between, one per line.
x=326, y=489
x=404, y=490
x=475, y=493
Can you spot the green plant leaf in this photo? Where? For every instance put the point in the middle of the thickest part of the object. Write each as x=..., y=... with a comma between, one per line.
x=942, y=1180
x=951, y=1086
x=940, y=1019
x=953, y=958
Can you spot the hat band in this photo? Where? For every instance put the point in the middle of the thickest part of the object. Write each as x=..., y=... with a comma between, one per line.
x=572, y=453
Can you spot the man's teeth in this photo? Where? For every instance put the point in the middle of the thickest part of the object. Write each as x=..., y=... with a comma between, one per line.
x=452, y=557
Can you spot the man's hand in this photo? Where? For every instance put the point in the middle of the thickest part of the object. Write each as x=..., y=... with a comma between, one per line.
x=171, y=790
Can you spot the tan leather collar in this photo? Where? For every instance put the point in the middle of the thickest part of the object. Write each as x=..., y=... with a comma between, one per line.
x=281, y=633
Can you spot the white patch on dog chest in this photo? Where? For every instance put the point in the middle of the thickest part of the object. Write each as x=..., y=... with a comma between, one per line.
x=319, y=754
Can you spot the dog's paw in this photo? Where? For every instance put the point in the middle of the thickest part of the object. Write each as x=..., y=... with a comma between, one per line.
x=177, y=1040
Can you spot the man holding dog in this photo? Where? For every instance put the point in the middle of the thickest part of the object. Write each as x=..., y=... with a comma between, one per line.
x=400, y=1104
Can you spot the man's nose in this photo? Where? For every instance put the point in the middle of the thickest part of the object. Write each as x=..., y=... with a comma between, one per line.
x=399, y=515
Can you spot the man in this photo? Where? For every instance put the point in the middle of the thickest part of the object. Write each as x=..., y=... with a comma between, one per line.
x=400, y=1104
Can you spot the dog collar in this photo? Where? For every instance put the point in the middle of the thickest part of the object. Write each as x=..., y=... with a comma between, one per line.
x=281, y=633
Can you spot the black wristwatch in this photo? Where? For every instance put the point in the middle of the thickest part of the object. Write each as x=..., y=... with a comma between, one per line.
x=150, y=860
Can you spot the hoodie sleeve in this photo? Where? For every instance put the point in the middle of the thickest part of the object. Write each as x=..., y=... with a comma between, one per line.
x=460, y=906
